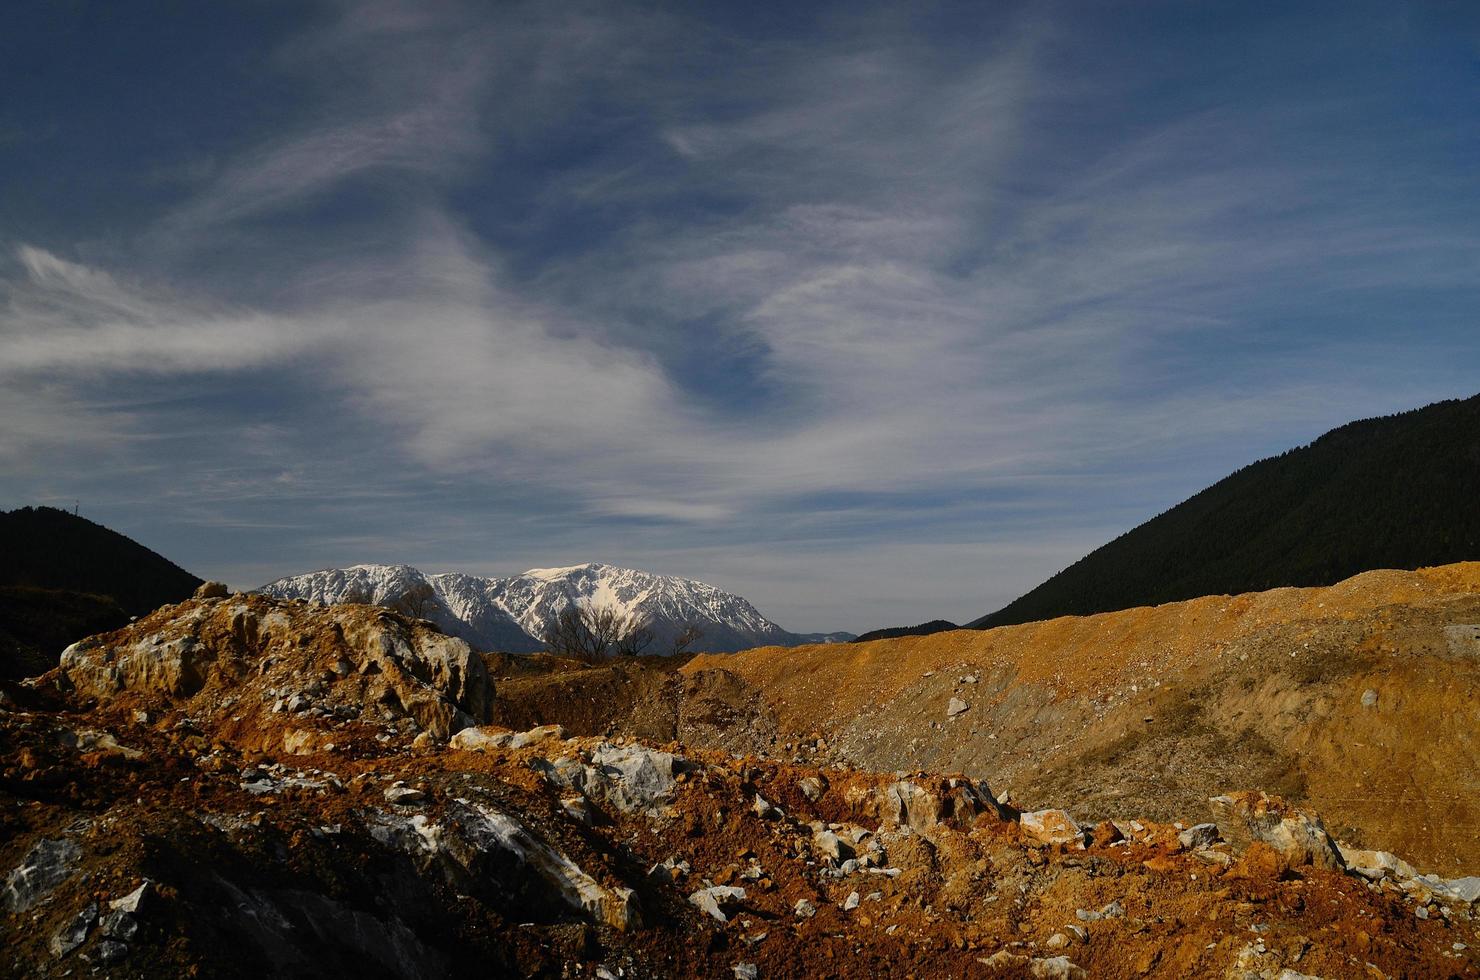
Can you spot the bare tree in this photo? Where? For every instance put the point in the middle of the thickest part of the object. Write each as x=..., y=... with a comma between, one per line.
x=686, y=638
x=590, y=635
x=358, y=595
x=416, y=601
x=635, y=639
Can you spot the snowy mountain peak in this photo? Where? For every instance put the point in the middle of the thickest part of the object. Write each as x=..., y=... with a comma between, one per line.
x=512, y=613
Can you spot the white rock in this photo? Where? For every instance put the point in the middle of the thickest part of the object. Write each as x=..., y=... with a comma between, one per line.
x=404, y=795
x=716, y=898
x=1057, y=968
x=534, y=735
x=473, y=739
x=1051, y=827
x=764, y=808
x=812, y=787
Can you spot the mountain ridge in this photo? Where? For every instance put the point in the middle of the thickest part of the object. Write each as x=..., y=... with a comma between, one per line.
x=511, y=613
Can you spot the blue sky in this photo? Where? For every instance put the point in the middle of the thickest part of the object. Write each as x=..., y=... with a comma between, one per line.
x=871, y=313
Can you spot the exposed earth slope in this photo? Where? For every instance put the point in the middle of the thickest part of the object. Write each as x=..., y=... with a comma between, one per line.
x=244, y=786
x=1393, y=492
x=1359, y=698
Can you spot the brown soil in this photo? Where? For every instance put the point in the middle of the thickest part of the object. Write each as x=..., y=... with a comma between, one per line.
x=1152, y=710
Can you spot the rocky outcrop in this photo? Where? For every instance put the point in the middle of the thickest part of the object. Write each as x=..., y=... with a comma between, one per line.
x=632, y=778
x=349, y=661
x=925, y=807
x=1297, y=834
x=1051, y=827
x=48, y=864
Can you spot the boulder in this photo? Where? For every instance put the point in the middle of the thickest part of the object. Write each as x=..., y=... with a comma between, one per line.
x=715, y=899
x=370, y=658
x=475, y=739
x=923, y=808
x=44, y=867
x=74, y=933
x=956, y=707
x=1375, y=865
x=212, y=590
x=120, y=925
x=1051, y=827
x=404, y=795
x=634, y=777
x=479, y=840
x=1297, y=834
x=1003, y=959
x=135, y=901
x=1057, y=968
x=1201, y=835
x=812, y=787
x=906, y=804
x=1465, y=891
x=764, y=809
x=832, y=847
x=174, y=668
x=534, y=736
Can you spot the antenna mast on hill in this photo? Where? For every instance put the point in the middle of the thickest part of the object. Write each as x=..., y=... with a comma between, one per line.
x=76, y=506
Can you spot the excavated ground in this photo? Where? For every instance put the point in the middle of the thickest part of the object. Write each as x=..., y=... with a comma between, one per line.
x=281, y=781
x=1360, y=699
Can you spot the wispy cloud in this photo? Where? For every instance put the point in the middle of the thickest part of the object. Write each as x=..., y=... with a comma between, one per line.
x=570, y=283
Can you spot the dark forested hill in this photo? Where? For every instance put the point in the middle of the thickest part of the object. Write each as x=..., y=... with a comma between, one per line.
x=1393, y=492
x=46, y=548
x=63, y=577
x=894, y=632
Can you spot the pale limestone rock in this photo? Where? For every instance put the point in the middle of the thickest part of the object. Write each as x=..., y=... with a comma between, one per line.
x=812, y=787
x=715, y=899
x=475, y=739
x=1298, y=834
x=534, y=736
x=1057, y=968
x=1051, y=827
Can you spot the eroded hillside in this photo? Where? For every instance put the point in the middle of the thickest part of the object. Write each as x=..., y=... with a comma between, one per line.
x=1359, y=698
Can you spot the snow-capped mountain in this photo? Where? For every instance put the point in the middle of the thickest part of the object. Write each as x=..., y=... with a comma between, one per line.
x=512, y=613
x=459, y=604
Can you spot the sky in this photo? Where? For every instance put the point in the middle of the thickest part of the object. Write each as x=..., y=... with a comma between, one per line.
x=870, y=313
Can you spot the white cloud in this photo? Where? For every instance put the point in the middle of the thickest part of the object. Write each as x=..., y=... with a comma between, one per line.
x=936, y=298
